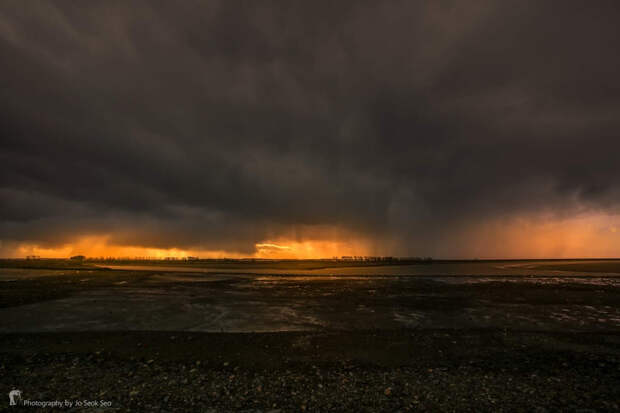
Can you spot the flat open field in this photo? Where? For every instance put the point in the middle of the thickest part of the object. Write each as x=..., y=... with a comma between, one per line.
x=314, y=335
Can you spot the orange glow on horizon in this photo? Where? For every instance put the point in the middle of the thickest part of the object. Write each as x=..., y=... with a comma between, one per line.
x=99, y=246
x=285, y=249
x=584, y=236
x=267, y=245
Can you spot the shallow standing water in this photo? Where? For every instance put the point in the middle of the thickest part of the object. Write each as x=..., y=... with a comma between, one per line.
x=499, y=295
x=445, y=268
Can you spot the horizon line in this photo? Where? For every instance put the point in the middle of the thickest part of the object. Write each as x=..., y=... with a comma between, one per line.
x=344, y=258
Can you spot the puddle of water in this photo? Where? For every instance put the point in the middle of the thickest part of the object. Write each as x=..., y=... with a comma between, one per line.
x=546, y=280
x=441, y=268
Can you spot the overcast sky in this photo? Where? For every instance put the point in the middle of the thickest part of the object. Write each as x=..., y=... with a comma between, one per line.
x=444, y=128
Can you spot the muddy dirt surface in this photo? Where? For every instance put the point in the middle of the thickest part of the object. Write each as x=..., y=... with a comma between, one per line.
x=179, y=341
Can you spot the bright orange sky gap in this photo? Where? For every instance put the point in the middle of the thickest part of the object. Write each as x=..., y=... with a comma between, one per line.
x=593, y=235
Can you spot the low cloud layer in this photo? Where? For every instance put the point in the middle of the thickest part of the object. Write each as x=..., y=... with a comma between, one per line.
x=220, y=125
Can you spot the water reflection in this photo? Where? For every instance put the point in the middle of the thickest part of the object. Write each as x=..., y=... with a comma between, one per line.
x=558, y=269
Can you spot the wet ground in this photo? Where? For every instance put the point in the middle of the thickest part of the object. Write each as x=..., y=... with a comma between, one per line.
x=163, y=298
x=526, y=335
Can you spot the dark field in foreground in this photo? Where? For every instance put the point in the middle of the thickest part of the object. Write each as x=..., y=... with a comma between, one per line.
x=327, y=266
x=177, y=341
x=446, y=370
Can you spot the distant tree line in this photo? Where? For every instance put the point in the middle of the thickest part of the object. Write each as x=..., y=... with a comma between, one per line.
x=345, y=258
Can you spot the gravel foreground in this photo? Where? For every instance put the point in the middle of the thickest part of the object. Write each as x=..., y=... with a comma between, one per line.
x=368, y=371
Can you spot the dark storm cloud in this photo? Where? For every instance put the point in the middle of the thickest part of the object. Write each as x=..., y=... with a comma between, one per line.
x=220, y=124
